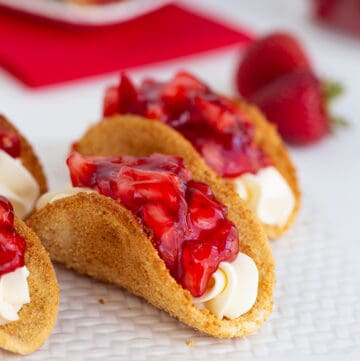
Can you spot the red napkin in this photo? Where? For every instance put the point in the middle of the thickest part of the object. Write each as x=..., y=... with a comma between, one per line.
x=41, y=52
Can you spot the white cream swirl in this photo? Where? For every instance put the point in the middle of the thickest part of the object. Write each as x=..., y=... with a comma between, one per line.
x=17, y=184
x=268, y=194
x=14, y=294
x=232, y=289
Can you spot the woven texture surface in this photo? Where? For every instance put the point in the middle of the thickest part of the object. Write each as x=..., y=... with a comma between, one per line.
x=317, y=305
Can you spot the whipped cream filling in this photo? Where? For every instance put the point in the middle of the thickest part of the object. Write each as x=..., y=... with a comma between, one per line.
x=268, y=194
x=14, y=294
x=232, y=289
x=17, y=184
x=53, y=196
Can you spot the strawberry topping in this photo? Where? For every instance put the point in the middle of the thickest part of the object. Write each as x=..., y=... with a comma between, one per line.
x=12, y=245
x=10, y=143
x=216, y=127
x=188, y=225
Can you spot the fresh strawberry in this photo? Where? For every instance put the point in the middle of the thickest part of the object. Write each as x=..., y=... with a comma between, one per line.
x=267, y=59
x=296, y=103
x=344, y=15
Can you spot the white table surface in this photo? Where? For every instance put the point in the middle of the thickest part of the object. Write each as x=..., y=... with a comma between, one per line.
x=317, y=312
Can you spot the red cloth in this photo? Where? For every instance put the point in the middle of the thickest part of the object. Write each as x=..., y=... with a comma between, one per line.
x=41, y=52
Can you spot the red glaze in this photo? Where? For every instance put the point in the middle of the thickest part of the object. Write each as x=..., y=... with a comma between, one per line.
x=12, y=245
x=188, y=225
x=217, y=128
x=10, y=143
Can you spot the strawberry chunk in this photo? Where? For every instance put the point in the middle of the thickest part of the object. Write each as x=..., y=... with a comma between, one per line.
x=188, y=225
x=10, y=143
x=176, y=94
x=12, y=244
x=206, y=119
x=12, y=248
x=122, y=99
x=204, y=211
x=201, y=259
x=128, y=99
x=219, y=118
x=111, y=101
x=6, y=213
x=82, y=171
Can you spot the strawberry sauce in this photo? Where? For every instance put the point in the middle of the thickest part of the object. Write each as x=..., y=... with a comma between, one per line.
x=12, y=245
x=216, y=127
x=188, y=225
x=10, y=143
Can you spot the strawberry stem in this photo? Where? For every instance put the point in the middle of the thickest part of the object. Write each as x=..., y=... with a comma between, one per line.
x=331, y=90
x=339, y=122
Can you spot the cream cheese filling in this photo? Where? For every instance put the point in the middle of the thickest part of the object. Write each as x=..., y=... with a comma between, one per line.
x=232, y=289
x=268, y=194
x=18, y=185
x=14, y=294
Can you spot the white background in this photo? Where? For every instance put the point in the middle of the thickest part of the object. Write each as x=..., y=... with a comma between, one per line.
x=318, y=291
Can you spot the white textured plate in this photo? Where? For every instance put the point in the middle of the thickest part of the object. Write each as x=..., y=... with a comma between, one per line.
x=85, y=15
